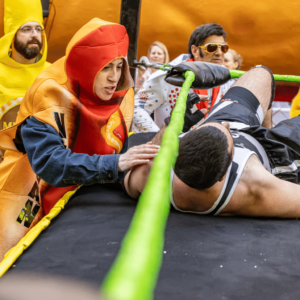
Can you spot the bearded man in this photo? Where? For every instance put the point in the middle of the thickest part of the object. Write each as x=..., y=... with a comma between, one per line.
x=23, y=52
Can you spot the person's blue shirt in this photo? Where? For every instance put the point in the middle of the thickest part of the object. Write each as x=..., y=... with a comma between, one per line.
x=58, y=166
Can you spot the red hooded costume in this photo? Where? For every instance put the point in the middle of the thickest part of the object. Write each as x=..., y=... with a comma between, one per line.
x=63, y=96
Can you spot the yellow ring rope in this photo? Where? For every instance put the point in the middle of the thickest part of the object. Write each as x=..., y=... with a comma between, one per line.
x=12, y=255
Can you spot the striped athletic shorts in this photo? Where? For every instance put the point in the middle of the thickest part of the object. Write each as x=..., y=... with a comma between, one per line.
x=242, y=110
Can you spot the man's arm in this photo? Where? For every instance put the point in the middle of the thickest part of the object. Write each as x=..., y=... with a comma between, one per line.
x=261, y=194
x=135, y=179
x=57, y=165
x=158, y=137
x=278, y=198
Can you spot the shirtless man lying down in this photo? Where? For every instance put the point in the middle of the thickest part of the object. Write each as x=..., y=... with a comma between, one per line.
x=231, y=165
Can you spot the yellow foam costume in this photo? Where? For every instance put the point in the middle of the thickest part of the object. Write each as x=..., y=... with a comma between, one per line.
x=16, y=78
x=295, y=109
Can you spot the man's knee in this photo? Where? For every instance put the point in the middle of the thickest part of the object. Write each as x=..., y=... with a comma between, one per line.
x=260, y=81
x=266, y=75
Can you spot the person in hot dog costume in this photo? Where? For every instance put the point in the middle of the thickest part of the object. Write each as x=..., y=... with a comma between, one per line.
x=71, y=130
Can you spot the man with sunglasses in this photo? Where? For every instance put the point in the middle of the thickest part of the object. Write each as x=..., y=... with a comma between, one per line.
x=23, y=52
x=208, y=44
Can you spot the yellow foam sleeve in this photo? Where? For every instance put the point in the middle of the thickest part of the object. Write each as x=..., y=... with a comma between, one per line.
x=130, y=133
x=12, y=255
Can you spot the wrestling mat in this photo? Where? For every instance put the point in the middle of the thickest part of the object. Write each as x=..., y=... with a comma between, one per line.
x=204, y=257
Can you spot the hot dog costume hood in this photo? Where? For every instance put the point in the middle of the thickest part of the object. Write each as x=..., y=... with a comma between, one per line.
x=63, y=97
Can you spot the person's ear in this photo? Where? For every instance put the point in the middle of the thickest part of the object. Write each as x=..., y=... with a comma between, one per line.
x=236, y=64
x=223, y=177
x=195, y=52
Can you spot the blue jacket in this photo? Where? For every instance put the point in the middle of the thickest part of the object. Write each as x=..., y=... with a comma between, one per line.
x=58, y=166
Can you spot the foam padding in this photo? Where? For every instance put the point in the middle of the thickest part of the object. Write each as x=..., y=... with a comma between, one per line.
x=206, y=257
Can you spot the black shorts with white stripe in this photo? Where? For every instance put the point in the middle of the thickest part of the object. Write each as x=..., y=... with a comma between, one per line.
x=237, y=105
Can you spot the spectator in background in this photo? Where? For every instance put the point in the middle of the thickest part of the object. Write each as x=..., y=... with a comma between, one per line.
x=23, y=52
x=157, y=53
x=207, y=43
x=232, y=60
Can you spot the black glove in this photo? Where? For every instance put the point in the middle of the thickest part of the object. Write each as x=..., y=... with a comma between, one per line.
x=207, y=75
x=190, y=119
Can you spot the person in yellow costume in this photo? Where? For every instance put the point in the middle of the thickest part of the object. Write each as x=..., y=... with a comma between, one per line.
x=295, y=109
x=23, y=52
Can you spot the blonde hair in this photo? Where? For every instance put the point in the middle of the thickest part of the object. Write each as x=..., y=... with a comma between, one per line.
x=236, y=58
x=163, y=48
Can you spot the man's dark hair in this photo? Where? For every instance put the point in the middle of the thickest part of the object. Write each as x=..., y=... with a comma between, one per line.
x=202, y=32
x=203, y=157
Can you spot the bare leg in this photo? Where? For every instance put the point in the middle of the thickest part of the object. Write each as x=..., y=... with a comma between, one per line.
x=260, y=82
x=268, y=119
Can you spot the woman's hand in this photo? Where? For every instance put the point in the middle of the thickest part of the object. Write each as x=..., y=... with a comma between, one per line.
x=137, y=155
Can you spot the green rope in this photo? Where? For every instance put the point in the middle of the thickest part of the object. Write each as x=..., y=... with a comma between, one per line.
x=288, y=78
x=134, y=273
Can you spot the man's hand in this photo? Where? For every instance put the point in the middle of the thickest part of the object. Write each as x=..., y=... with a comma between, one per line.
x=137, y=155
x=207, y=75
x=190, y=119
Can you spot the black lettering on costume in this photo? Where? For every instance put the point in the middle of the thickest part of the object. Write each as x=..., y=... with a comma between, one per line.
x=34, y=193
x=60, y=121
x=30, y=209
x=28, y=214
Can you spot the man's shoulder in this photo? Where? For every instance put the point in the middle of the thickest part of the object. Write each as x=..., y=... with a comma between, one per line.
x=252, y=166
x=252, y=183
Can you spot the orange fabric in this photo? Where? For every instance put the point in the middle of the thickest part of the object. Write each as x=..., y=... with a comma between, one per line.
x=204, y=104
x=101, y=128
x=63, y=97
x=264, y=33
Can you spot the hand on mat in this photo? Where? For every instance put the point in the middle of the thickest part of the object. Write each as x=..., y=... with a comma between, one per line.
x=137, y=155
x=190, y=119
x=207, y=75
